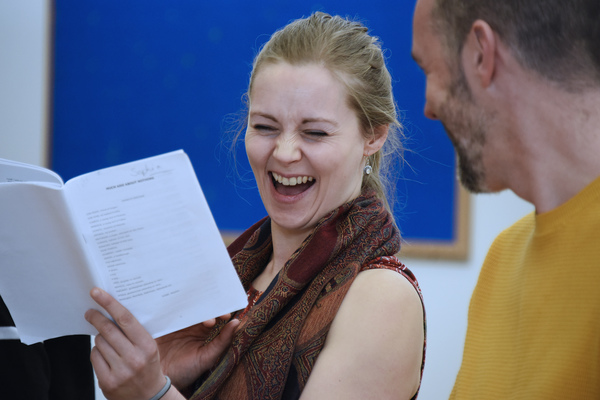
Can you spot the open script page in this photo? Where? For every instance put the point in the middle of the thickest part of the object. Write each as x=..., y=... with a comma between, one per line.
x=152, y=243
x=155, y=243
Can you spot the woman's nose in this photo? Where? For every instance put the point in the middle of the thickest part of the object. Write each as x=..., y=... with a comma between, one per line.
x=287, y=149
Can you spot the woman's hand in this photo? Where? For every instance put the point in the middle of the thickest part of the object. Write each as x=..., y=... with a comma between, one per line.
x=184, y=354
x=127, y=360
x=125, y=356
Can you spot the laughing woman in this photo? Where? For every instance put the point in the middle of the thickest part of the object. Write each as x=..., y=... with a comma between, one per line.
x=332, y=312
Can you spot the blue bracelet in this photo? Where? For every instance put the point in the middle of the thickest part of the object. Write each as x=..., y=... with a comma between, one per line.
x=162, y=391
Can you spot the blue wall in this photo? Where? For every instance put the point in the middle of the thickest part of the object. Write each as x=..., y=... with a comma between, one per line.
x=138, y=78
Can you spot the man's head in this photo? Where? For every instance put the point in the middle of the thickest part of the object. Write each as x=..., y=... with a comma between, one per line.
x=449, y=98
x=480, y=57
x=558, y=39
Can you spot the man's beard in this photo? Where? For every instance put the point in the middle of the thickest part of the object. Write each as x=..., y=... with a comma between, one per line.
x=466, y=127
x=471, y=171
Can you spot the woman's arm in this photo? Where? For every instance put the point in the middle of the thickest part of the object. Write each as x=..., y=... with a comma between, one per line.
x=374, y=347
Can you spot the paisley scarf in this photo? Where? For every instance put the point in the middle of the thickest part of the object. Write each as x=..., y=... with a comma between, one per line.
x=278, y=341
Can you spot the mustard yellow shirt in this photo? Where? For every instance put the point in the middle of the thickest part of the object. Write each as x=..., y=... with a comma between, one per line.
x=534, y=317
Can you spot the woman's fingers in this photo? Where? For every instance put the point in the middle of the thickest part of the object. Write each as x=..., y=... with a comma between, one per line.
x=210, y=323
x=127, y=323
x=125, y=356
x=218, y=345
x=119, y=345
x=123, y=338
x=99, y=361
x=106, y=350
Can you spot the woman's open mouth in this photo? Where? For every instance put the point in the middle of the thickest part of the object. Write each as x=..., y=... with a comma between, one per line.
x=291, y=186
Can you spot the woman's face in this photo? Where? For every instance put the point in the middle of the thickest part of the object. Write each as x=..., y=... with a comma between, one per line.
x=304, y=144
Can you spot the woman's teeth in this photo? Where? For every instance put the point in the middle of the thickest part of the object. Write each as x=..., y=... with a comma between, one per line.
x=292, y=181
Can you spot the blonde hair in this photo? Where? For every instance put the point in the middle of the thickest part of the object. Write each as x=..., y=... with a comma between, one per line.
x=356, y=59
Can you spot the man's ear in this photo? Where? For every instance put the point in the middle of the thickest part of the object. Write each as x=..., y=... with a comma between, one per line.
x=375, y=142
x=479, y=53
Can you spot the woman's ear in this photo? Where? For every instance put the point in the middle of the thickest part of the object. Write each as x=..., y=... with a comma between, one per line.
x=375, y=142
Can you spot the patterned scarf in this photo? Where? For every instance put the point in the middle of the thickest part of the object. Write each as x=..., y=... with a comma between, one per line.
x=286, y=328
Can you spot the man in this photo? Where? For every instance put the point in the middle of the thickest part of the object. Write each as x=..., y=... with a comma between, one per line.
x=516, y=84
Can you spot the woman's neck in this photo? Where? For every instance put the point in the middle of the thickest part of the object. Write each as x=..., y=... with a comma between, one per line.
x=285, y=243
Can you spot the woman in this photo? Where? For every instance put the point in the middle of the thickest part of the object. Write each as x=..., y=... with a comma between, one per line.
x=332, y=313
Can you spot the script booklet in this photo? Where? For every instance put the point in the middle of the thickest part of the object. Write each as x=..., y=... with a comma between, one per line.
x=142, y=231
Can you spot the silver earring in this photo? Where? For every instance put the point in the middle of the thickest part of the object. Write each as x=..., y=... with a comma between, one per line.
x=368, y=169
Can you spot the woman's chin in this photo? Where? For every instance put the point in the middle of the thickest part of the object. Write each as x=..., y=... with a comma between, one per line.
x=293, y=223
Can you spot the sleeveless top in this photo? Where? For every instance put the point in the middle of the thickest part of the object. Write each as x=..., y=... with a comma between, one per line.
x=386, y=262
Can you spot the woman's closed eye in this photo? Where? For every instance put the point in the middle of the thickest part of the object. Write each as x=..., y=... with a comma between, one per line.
x=316, y=133
x=264, y=128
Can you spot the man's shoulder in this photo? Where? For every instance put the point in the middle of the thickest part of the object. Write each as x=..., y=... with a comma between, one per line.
x=516, y=232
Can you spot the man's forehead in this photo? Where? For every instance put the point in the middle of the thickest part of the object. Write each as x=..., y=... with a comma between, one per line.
x=424, y=7
x=422, y=26
x=422, y=18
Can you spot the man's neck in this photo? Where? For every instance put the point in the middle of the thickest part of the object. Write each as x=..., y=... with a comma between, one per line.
x=561, y=146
